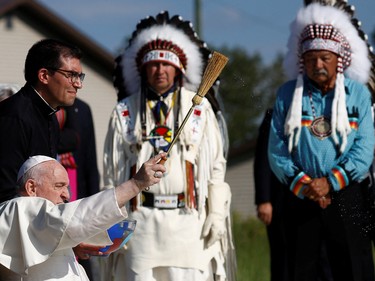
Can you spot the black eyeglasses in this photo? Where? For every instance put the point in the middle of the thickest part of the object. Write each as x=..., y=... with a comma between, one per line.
x=71, y=75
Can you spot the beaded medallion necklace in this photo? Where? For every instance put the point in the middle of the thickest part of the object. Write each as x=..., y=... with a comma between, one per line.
x=320, y=126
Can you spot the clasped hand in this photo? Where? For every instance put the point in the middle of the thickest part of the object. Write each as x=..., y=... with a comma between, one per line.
x=318, y=191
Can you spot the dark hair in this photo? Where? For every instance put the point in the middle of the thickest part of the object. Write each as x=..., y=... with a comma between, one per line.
x=47, y=53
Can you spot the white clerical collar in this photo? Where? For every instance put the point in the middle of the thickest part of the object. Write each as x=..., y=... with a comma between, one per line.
x=53, y=109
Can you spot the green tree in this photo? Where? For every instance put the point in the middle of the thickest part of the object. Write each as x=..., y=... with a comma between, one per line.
x=247, y=89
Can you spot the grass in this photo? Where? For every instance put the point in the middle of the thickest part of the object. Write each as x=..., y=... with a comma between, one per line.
x=252, y=249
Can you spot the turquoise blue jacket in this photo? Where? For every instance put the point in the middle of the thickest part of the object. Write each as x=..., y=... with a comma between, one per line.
x=314, y=157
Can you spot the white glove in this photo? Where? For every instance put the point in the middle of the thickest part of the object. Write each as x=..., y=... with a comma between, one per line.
x=218, y=210
x=216, y=224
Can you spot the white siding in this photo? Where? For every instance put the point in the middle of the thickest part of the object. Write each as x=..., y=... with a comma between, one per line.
x=241, y=180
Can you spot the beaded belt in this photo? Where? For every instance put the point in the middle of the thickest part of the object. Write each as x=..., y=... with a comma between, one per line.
x=163, y=201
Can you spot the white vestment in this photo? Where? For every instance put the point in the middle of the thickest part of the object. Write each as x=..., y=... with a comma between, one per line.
x=37, y=237
x=166, y=237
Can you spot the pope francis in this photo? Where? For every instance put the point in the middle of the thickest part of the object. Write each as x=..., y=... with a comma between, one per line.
x=38, y=228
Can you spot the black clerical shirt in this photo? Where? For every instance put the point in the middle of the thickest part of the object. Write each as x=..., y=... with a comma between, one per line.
x=28, y=126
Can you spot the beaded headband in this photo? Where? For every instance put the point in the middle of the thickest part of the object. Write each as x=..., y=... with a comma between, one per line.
x=326, y=37
x=163, y=51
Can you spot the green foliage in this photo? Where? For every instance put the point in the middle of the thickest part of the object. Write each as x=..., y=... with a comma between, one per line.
x=252, y=249
x=247, y=89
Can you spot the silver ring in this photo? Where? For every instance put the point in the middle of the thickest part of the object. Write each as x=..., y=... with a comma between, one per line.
x=323, y=197
x=158, y=175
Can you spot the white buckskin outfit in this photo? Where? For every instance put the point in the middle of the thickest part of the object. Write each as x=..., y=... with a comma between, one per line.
x=177, y=217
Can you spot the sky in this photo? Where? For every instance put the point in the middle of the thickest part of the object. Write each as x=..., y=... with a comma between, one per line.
x=257, y=26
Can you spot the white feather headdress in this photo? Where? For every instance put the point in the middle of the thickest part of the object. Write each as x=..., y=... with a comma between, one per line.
x=173, y=35
x=315, y=13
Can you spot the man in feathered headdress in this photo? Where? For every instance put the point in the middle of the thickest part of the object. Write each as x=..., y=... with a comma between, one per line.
x=182, y=222
x=321, y=144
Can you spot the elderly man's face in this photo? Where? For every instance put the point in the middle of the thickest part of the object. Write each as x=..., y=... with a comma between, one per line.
x=160, y=76
x=321, y=67
x=52, y=185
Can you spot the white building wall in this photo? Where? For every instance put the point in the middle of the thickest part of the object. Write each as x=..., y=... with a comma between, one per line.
x=241, y=180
